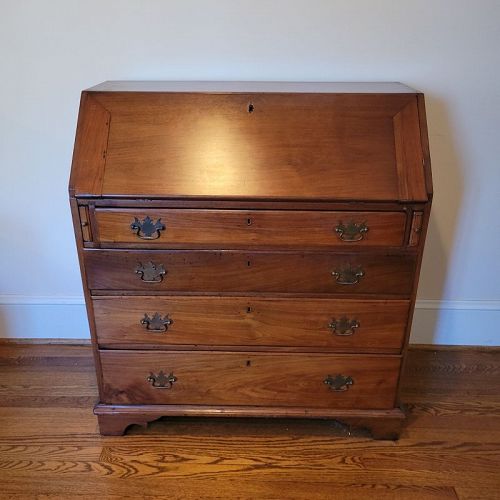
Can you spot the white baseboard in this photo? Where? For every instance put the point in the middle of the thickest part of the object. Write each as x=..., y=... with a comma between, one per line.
x=445, y=322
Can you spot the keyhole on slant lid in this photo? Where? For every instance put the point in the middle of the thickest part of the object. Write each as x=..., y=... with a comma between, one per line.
x=248, y=362
x=251, y=108
x=248, y=263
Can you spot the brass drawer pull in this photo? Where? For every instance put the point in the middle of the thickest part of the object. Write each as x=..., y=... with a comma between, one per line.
x=150, y=272
x=351, y=231
x=338, y=383
x=147, y=229
x=344, y=326
x=348, y=275
x=162, y=381
x=156, y=323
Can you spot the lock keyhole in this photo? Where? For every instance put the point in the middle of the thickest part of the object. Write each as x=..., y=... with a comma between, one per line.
x=251, y=108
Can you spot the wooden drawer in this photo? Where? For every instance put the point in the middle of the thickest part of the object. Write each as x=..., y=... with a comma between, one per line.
x=342, y=325
x=176, y=228
x=247, y=378
x=239, y=271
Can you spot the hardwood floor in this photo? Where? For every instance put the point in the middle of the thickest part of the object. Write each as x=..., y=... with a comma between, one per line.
x=50, y=448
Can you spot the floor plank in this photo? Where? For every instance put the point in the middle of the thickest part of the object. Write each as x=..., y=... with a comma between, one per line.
x=50, y=447
x=475, y=493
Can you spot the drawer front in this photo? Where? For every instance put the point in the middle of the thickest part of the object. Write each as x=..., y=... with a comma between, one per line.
x=171, y=228
x=234, y=271
x=230, y=378
x=245, y=321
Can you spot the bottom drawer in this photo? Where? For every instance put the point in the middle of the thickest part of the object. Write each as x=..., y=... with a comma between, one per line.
x=248, y=378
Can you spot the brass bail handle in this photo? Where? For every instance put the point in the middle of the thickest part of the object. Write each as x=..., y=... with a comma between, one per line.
x=352, y=231
x=344, y=327
x=348, y=275
x=150, y=272
x=338, y=382
x=156, y=323
x=146, y=229
x=162, y=380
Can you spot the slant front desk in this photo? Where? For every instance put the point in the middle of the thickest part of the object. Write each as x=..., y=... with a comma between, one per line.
x=250, y=249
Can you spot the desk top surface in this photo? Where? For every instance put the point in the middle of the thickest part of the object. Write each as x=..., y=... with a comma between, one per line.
x=249, y=87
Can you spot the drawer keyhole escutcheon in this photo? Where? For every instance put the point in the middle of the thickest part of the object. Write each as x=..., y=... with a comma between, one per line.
x=338, y=383
x=162, y=381
x=147, y=229
x=343, y=327
x=156, y=323
x=352, y=231
x=150, y=272
x=348, y=275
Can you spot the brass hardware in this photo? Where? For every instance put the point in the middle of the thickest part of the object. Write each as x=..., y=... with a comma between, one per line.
x=156, y=323
x=351, y=231
x=162, y=381
x=348, y=275
x=338, y=383
x=344, y=326
x=147, y=229
x=150, y=272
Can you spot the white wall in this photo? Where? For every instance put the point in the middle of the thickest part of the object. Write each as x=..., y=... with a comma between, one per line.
x=50, y=51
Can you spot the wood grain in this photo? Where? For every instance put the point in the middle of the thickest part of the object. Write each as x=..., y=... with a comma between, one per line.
x=240, y=271
x=252, y=321
x=299, y=146
x=186, y=228
x=248, y=378
x=203, y=159
x=416, y=229
x=83, y=211
x=251, y=204
x=409, y=155
x=51, y=449
x=424, y=140
x=114, y=420
x=89, y=156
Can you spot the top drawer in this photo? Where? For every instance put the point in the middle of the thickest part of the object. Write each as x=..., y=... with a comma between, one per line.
x=182, y=228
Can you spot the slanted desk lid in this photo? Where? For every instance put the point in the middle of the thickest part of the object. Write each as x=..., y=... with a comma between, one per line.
x=302, y=142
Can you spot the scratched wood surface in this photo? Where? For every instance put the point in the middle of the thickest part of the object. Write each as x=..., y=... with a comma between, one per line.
x=50, y=446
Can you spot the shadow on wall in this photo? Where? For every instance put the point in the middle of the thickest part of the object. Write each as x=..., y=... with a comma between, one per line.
x=430, y=324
